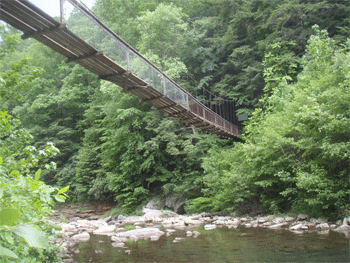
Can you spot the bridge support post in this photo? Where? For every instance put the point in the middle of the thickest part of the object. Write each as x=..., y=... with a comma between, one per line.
x=127, y=58
x=164, y=86
x=62, y=11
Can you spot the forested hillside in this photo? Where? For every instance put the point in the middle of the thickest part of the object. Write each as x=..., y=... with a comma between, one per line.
x=290, y=77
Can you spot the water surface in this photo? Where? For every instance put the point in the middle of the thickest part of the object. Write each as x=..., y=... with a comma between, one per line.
x=223, y=245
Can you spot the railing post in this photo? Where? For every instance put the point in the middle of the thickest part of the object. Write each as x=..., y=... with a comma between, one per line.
x=127, y=59
x=164, y=85
x=62, y=11
x=188, y=103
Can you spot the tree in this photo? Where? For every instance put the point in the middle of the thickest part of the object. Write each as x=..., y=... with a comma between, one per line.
x=245, y=29
x=296, y=151
x=25, y=201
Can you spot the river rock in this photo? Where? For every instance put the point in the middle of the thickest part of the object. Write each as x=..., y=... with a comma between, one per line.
x=68, y=227
x=304, y=227
x=189, y=233
x=296, y=227
x=192, y=222
x=176, y=202
x=303, y=217
x=196, y=234
x=144, y=233
x=155, y=238
x=196, y=217
x=323, y=226
x=105, y=230
x=82, y=223
x=118, y=239
x=131, y=220
x=170, y=232
x=289, y=219
x=278, y=226
x=262, y=220
x=107, y=219
x=134, y=238
x=254, y=222
x=321, y=220
x=345, y=222
x=177, y=239
x=343, y=228
x=83, y=237
x=121, y=217
x=119, y=229
x=209, y=227
x=279, y=220
x=155, y=203
x=219, y=222
x=118, y=244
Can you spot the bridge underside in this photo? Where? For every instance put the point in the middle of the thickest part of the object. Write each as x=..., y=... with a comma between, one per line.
x=35, y=23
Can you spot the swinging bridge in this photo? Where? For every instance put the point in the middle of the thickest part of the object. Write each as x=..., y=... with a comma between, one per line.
x=116, y=61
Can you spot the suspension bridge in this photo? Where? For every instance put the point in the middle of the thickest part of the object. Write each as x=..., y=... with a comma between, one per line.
x=118, y=63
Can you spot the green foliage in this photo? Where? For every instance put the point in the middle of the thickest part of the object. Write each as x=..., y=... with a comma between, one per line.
x=129, y=227
x=131, y=150
x=25, y=202
x=296, y=154
x=244, y=31
x=115, y=148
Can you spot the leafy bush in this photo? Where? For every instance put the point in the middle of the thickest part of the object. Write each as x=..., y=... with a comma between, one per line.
x=24, y=200
x=296, y=151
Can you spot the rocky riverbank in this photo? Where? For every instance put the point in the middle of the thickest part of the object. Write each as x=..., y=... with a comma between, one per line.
x=155, y=223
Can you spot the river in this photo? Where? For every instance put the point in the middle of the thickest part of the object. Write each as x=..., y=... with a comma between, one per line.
x=223, y=245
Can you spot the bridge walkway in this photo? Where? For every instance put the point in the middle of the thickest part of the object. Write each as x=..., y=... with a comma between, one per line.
x=35, y=23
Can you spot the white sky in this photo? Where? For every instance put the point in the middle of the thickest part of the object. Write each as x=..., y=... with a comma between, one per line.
x=52, y=7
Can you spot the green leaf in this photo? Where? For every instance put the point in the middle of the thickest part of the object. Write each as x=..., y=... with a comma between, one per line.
x=9, y=216
x=33, y=236
x=53, y=225
x=63, y=190
x=7, y=253
x=15, y=174
x=9, y=238
x=37, y=175
x=60, y=198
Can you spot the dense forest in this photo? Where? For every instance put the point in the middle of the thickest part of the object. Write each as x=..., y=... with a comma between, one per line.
x=286, y=63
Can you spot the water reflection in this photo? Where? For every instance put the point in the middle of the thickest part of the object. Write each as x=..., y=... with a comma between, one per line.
x=223, y=245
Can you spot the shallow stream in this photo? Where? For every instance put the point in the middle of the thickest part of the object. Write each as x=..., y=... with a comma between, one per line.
x=223, y=245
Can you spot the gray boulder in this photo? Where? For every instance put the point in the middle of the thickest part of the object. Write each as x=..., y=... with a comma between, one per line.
x=143, y=233
x=177, y=203
x=83, y=237
x=155, y=203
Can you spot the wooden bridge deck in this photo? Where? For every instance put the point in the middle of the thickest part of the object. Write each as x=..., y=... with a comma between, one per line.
x=35, y=23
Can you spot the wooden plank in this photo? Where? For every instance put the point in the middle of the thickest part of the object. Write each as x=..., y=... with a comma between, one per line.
x=152, y=98
x=167, y=106
x=54, y=45
x=38, y=11
x=26, y=14
x=43, y=31
x=14, y=21
x=67, y=39
x=106, y=77
x=93, y=67
x=83, y=57
x=178, y=113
